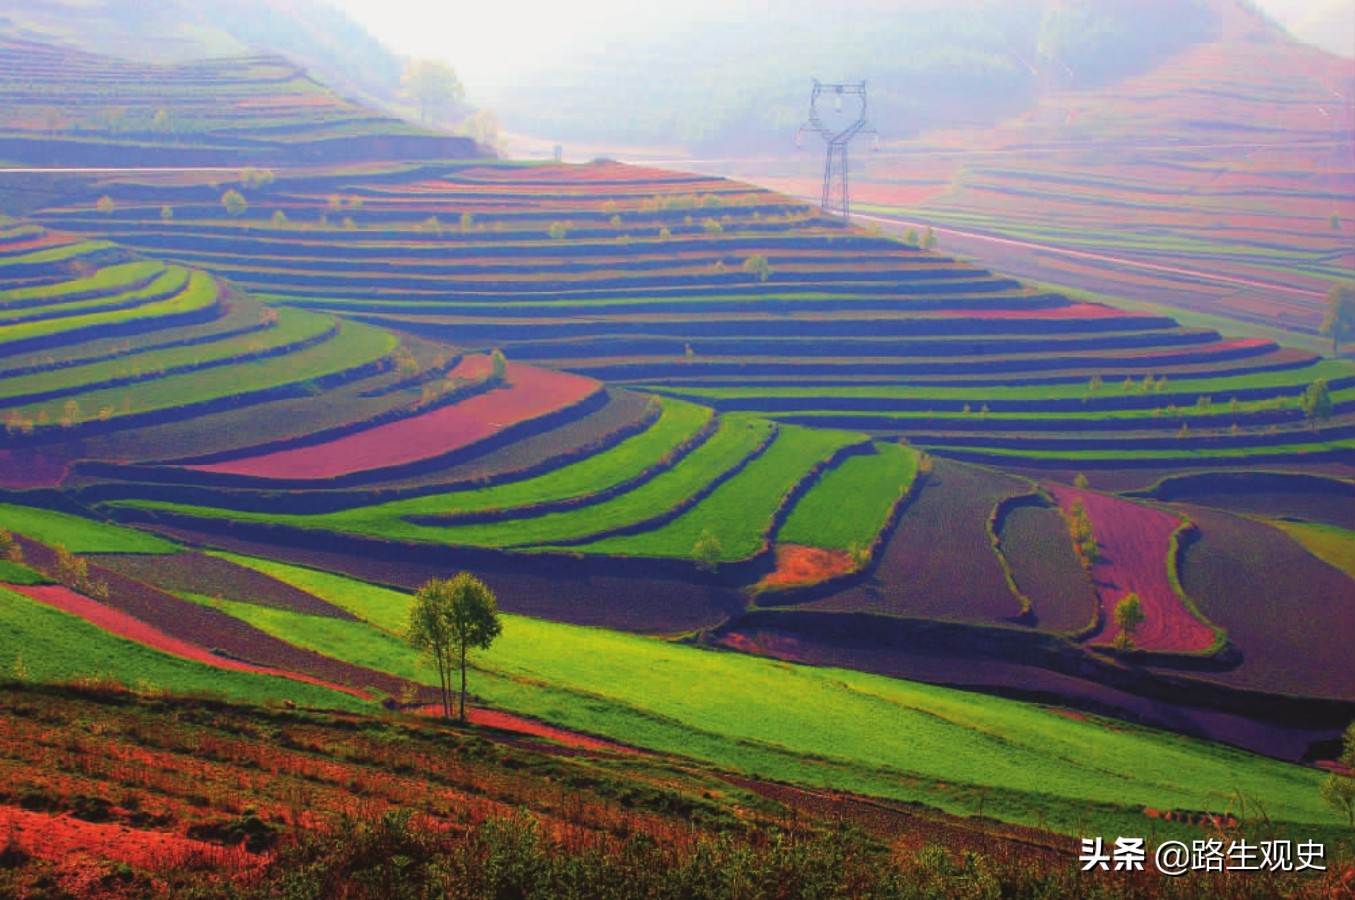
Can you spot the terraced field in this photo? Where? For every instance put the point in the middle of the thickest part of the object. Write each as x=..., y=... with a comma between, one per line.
x=739, y=298
x=65, y=107
x=370, y=432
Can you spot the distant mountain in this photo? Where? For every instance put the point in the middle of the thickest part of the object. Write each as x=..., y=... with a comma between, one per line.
x=737, y=78
x=310, y=33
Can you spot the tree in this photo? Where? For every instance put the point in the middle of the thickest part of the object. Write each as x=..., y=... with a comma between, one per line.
x=105, y=205
x=433, y=87
x=1128, y=616
x=707, y=551
x=557, y=231
x=450, y=618
x=1316, y=402
x=1339, y=788
x=166, y=213
x=234, y=203
x=757, y=265
x=1339, y=321
x=929, y=239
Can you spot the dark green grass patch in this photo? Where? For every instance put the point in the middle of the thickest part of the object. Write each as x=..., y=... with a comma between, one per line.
x=851, y=502
x=78, y=535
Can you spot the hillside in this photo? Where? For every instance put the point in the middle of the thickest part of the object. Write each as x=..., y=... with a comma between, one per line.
x=795, y=528
x=312, y=35
x=480, y=811
x=401, y=456
x=62, y=107
x=718, y=292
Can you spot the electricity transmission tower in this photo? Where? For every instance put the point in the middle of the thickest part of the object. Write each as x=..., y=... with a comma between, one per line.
x=836, y=181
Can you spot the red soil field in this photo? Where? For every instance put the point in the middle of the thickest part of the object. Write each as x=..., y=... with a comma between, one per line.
x=78, y=844
x=530, y=393
x=1134, y=540
x=504, y=721
x=797, y=565
x=121, y=624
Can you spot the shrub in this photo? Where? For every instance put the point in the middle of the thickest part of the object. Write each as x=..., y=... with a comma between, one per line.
x=234, y=203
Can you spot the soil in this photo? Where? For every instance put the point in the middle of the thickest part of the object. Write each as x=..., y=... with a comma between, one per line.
x=797, y=565
x=530, y=393
x=1134, y=541
x=506, y=721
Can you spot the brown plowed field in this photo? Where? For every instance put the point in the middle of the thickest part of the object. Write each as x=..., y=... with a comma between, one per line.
x=1291, y=614
x=939, y=562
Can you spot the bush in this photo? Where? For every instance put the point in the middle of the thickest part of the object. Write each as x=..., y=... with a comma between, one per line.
x=234, y=203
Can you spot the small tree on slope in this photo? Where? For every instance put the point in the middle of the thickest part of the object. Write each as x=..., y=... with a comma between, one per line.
x=1128, y=616
x=448, y=619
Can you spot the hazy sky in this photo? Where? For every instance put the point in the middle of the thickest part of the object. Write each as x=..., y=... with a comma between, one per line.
x=488, y=41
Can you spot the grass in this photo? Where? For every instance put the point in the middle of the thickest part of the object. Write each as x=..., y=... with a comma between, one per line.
x=169, y=283
x=17, y=573
x=735, y=439
x=1181, y=389
x=293, y=326
x=77, y=534
x=55, y=646
x=199, y=293
x=1205, y=454
x=826, y=727
x=1328, y=543
x=740, y=512
x=851, y=502
x=106, y=281
x=354, y=345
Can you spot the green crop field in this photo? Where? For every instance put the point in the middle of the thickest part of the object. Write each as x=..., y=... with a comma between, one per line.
x=736, y=438
x=48, y=645
x=852, y=501
x=200, y=292
x=17, y=573
x=828, y=727
x=738, y=514
x=78, y=535
x=292, y=326
x=353, y=346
